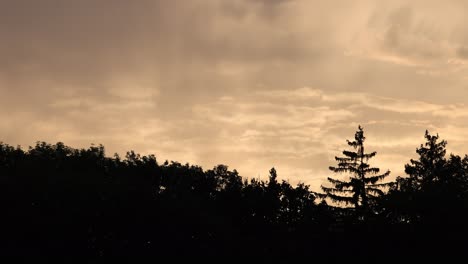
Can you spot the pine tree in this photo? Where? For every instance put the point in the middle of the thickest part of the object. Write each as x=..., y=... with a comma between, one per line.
x=362, y=188
x=434, y=192
x=430, y=168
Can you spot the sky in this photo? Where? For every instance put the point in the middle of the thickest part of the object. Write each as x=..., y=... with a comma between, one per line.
x=252, y=84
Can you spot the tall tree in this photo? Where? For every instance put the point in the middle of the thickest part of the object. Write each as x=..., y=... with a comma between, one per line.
x=429, y=169
x=435, y=190
x=361, y=188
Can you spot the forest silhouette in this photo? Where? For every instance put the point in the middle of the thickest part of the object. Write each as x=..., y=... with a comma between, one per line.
x=58, y=200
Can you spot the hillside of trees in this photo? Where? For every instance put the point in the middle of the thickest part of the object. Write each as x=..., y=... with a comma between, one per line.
x=58, y=200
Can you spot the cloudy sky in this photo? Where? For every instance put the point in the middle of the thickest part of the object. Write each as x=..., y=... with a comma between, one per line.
x=248, y=83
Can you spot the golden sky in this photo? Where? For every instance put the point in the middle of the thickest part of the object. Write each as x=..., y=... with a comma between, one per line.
x=248, y=83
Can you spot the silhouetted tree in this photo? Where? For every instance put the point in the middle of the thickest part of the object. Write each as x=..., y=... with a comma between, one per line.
x=59, y=200
x=430, y=168
x=360, y=189
x=435, y=190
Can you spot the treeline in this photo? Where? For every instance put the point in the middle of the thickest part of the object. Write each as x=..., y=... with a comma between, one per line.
x=59, y=200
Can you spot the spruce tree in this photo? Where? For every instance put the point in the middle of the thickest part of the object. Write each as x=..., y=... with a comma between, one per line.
x=434, y=192
x=431, y=167
x=361, y=189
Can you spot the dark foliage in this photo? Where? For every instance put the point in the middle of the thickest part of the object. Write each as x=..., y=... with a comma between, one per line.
x=57, y=200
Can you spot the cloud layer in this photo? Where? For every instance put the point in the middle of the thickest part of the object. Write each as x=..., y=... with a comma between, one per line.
x=252, y=84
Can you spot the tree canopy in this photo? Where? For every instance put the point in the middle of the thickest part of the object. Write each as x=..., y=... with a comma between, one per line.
x=59, y=200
